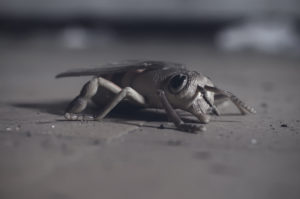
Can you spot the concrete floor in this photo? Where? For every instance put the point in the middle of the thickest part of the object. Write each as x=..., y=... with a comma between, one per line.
x=43, y=156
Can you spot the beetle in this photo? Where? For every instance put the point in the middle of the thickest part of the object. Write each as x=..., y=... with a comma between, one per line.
x=152, y=84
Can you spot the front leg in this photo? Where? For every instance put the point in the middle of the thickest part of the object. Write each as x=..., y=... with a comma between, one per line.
x=203, y=91
x=174, y=117
x=242, y=106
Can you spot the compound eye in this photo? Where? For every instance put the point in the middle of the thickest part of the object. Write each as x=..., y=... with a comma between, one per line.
x=177, y=83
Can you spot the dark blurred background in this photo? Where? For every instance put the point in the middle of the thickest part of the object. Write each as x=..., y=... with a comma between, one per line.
x=268, y=26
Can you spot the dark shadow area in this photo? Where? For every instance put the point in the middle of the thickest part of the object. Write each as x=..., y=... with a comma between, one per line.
x=123, y=111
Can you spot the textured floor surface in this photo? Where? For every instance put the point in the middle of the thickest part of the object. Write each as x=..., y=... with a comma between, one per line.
x=127, y=155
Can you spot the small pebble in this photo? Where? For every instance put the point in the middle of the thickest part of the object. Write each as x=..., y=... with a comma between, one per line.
x=28, y=134
x=253, y=141
x=53, y=126
x=161, y=126
x=8, y=129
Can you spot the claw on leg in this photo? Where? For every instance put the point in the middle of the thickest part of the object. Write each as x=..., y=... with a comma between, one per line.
x=174, y=117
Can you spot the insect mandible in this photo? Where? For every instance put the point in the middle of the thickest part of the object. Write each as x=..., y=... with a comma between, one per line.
x=152, y=84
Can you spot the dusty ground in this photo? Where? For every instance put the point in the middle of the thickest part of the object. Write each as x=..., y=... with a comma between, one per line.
x=43, y=156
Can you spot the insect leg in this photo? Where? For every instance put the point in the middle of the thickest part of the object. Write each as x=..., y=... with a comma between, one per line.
x=203, y=91
x=87, y=92
x=242, y=106
x=174, y=117
x=78, y=104
x=124, y=93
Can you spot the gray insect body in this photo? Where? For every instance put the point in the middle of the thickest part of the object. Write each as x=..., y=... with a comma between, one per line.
x=152, y=84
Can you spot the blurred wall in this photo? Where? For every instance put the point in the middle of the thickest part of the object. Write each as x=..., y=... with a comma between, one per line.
x=148, y=8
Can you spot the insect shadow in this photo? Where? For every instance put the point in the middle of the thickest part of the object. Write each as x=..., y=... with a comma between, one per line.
x=54, y=108
x=124, y=111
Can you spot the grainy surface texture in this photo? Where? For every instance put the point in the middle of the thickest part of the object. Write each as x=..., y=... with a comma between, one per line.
x=127, y=155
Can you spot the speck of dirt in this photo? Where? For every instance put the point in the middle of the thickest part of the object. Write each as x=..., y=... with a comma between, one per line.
x=284, y=125
x=96, y=142
x=18, y=127
x=28, y=134
x=264, y=105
